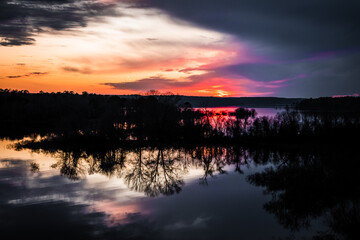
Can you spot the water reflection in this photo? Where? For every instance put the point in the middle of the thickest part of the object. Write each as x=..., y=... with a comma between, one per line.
x=270, y=112
x=306, y=186
x=310, y=193
x=151, y=170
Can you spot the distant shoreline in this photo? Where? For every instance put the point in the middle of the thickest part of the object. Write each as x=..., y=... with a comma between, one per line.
x=247, y=102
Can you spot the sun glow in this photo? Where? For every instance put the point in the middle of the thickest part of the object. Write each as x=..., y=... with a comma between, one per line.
x=128, y=48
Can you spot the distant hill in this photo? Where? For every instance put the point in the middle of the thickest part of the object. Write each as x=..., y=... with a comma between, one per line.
x=250, y=102
x=328, y=104
x=254, y=102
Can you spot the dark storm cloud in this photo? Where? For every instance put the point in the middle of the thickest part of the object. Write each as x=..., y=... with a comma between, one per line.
x=335, y=76
x=21, y=20
x=308, y=77
x=287, y=28
x=292, y=38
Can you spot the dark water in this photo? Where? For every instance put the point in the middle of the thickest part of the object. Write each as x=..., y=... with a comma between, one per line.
x=177, y=193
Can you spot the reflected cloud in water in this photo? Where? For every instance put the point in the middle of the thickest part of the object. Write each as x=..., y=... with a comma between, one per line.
x=154, y=193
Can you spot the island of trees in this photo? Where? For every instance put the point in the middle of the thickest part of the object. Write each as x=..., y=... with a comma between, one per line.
x=165, y=120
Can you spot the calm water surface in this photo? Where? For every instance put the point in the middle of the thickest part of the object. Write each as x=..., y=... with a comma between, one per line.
x=39, y=197
x=176, y=193
x=271, y=112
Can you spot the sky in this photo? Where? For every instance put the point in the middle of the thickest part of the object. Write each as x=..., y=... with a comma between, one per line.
x=223, y=48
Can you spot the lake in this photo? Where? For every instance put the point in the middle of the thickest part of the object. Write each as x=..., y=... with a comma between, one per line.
x=201, y=193
x=198, y=192
x=271, y=112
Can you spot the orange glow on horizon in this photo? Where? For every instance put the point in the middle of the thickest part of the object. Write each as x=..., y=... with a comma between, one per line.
x=127, y=49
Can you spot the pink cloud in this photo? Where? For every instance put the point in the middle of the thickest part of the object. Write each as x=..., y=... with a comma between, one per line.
x=350, y=95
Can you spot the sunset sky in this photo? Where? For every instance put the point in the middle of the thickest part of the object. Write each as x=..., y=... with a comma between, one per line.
x=190, y=47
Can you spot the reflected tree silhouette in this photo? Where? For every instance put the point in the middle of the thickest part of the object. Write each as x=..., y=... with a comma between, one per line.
x=34, y=167
x=158, y=172
x=70, y=164
x=136, y=177
x=344, y=221
x=239, y=156
x=212, y=160
x=111, y=162
x=304, y=183
x=307, y=186
x=153, y=171
x=165, y=173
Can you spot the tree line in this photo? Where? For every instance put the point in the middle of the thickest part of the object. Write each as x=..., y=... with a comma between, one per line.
x=150, y=119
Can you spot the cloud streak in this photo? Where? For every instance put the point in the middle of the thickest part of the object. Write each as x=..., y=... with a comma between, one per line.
x=150, y=83
x=27, y=75
x=77, y=70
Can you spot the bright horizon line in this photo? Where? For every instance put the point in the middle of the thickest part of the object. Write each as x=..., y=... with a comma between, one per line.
x=177, y=94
